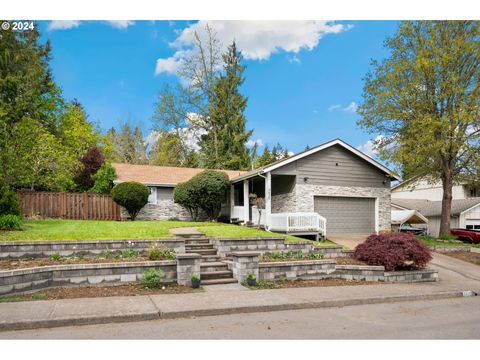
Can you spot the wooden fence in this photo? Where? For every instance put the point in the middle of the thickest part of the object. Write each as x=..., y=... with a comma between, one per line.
x=86, y=206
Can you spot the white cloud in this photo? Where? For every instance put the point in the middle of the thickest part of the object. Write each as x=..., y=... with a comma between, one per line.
x=352, y=107
x=69, y=24
x=369, y=147
x=251, y=143
x=120, y=24
x=169, y=65
x=63, y=24
x=334, y=107
x=257, y=40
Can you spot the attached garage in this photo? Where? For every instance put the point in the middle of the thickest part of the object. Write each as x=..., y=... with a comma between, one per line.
x=347, y=215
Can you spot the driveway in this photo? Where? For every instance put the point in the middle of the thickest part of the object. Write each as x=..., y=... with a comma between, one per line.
x=349, y=240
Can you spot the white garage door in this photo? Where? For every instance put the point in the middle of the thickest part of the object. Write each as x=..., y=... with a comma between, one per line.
x=347, y=215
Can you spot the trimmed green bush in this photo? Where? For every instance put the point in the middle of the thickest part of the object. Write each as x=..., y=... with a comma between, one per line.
x=186, y=195
x=10, y=222
x=152, y=278
x=212, y=186
x=8, y=201
x=133, y=196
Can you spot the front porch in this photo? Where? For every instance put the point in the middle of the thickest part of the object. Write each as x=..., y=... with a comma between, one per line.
x=279, y=213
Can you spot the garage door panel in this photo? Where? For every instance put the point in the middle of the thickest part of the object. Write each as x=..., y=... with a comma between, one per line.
x=347, y=215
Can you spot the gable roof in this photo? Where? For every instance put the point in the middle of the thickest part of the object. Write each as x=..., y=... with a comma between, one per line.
x=434, y=208
x=168, y=176
x=279, y=163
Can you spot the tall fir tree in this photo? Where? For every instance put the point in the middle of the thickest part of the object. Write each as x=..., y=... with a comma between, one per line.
x=224, y=146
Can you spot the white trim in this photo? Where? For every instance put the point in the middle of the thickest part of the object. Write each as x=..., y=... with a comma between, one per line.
x=473, y=207
x=377, y=219
x=268, y=199
x=246, y=202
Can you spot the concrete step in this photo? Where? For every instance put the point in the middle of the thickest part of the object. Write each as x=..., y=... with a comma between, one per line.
x=202, y=251
x=213, y=266
x=190, y=236
x=198, y=246
x=218, y=281
x=197, y=241
x=210, y=258
x=220, y=274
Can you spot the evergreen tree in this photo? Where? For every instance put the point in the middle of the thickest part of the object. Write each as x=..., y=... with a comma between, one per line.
x=266, y=158
x=224, y=146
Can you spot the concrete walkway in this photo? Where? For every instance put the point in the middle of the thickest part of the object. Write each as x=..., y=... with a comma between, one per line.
x=349, y=240
x=456, y=276
x=185, y=231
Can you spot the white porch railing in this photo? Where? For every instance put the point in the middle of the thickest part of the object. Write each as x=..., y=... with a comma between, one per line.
x=237, y=213
x=297, y=222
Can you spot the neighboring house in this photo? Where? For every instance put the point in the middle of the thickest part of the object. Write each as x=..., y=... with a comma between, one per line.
x=332, y=188
x=426, y=197
x=419, y=188
x=465, y=212
x=161, y=180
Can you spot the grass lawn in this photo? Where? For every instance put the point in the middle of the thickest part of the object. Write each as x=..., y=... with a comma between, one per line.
x=57, y=229
x=431, y=241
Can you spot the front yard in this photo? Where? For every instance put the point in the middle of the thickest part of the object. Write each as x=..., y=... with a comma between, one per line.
x=431, y=241
x=57, y=229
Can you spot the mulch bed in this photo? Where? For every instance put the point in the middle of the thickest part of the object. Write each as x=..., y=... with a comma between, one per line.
x=93, y=291
x=279, y=284
x=470, y=257
x=28, y=263
x=347, y=260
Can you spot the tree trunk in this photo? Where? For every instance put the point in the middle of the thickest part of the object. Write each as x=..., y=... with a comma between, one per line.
x=447, y=184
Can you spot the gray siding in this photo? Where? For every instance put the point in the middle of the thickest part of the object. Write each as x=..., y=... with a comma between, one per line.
x=164, y=193
x=335, y=166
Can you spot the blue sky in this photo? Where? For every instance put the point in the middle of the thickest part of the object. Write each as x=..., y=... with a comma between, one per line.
x=302, y=80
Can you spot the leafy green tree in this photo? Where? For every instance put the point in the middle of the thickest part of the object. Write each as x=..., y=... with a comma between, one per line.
x=103, y=179
x=41, y=161
x=211, y=187
x=8, y=201
x=132, y=195
x=224, y=145
x=424, y=99
x=187, y=195
x=265, y=159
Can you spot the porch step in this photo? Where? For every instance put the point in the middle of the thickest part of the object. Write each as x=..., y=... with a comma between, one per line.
x=213, y=266
x=218, y=281
x=220, y=274
x=202, y=251
x=198, y=246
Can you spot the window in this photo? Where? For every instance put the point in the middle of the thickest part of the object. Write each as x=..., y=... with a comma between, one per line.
x=152, y=198
x=469, y=227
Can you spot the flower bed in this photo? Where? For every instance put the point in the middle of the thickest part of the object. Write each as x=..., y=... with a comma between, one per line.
x=280, y=284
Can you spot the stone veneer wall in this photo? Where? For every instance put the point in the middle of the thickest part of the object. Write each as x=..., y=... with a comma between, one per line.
x=284, y=202
x=13, y=281
x=164, y=209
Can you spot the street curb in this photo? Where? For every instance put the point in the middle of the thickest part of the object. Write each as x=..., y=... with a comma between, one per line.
x=311, y=305
x=95, y=320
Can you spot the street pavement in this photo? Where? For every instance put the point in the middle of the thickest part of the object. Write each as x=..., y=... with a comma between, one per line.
x=439, y=319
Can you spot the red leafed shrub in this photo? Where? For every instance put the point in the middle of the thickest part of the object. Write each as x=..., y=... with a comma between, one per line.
x=394, y=251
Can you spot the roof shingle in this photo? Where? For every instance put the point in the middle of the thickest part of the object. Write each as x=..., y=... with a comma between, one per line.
x=160, y=175
x=434, y=208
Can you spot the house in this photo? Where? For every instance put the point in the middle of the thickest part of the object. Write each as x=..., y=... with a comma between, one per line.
x=426, y=197
x=161, y=180
x=333, y=187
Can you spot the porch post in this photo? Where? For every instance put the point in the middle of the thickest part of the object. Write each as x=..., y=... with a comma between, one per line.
x=246, y=203
x=268, y=199
x=232, y=199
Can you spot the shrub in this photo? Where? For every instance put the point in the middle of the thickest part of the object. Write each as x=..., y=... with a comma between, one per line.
x=393, y=251
x=169, y=254
x=8, y=201
x=155, y=252
x=448, y=237
x=212, y=186
x=152, y=278
x=251, y=275
x=186, y=195
x=103, y=179
x=195, y=277
x=106, y=253
x=56, y=257
x=127, y=253
x=133, y=196
x=10, y=222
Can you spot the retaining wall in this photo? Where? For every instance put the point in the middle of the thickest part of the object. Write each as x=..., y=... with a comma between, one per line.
x=450, y=248
x=12, y=281
x=294, y=270
x=412, y=276
x=36, y=249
